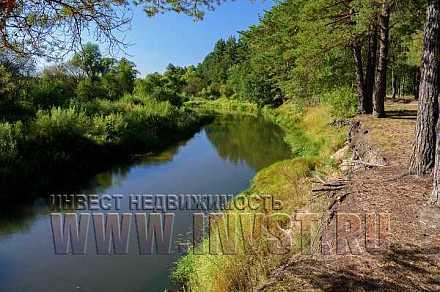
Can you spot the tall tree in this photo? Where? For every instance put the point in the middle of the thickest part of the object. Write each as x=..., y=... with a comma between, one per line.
x=423, y=158
x=370, y=74
x=427, y=145
x=382, y=66
x=89, y=61
x=361, y=89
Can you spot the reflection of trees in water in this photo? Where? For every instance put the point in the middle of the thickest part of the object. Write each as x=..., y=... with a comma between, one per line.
x=118, y=174
x=18, y=217
x=257, y=142
x=17, y=214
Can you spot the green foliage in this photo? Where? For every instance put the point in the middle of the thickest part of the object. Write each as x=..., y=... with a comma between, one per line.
x=10, y=135
x=48, y=92
x=252, y=86
x=165, y=94
x=167, y=87
x=104, y=77
x=107, y=129
x=214, y=68
x=89, y=60
x=89, y=89
x=7, y=85
x=59, y=123
x=342, y=102
x=194, y=82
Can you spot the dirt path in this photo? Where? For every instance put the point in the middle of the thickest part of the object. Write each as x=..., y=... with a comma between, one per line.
x=411, y=259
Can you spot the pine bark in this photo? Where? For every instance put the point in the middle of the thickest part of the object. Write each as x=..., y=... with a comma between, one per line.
x=426, y=135
x=370, y=74
x=423, y=157
x=381, y=77
x=357, y=54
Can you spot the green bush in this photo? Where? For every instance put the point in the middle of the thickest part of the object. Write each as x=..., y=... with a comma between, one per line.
x=59, y=124
x=88, y=90
x=342, y=102
x=46, y=93
x=211, y=92
x=164, y=94
x=107, y=128
x=10, y=135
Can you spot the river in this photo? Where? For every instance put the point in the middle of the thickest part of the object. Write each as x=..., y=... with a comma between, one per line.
x=222, y=158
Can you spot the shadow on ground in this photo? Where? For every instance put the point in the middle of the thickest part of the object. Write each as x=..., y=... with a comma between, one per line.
x=399, y=269
x=402, y=115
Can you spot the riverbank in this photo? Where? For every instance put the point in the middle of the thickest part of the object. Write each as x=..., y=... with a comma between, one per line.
x=66, y=145
x=313, y=142
x=407, y=257
x=369, y=176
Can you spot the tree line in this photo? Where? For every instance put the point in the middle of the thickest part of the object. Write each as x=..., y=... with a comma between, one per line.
x=350, y=53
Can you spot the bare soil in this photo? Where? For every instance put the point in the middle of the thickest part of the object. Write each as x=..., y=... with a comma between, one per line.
x=409, y=258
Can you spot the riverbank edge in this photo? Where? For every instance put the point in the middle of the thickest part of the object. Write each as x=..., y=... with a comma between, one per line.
x=92, y=159
x=313, y=139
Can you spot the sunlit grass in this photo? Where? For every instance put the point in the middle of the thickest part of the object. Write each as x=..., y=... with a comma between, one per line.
x=313, y=142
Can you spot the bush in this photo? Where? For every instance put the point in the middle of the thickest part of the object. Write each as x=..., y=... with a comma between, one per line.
x=226, y=90
x=88, y=90
x=10, y=135
x=107, y=128
x=211, y=92
x=342, y=102
x=59, y=124
x=163, y=94
x=48, y=93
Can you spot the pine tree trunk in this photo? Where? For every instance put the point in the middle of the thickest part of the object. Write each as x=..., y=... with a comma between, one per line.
x=381, y=77
x=429, y=91
x=424, y=154
x=370, y=74
x=357, y=54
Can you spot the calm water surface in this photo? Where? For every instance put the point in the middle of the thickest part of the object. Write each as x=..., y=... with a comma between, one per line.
x=221, y=159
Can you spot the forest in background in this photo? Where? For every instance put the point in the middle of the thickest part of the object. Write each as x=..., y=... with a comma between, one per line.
x=310, y=52
x=305, y=52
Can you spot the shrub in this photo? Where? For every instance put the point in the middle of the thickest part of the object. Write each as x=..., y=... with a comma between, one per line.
x=342, y=102
x=107, y=128
x=226, y=90
x=88, y=90
x=10, y=135
x=59, y=124
x=211, y=92
x=164, y=94
x=47, y=93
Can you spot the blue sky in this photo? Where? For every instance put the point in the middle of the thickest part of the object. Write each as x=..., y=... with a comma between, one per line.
x=177, y=39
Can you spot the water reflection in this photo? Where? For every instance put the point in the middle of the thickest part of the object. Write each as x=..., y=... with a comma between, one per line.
x=220, y=159
x=248, y=139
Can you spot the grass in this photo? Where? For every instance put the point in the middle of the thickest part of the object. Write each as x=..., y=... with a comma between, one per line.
x=313, y=142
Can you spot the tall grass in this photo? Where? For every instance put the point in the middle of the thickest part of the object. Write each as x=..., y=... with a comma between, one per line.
x=313, y=142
